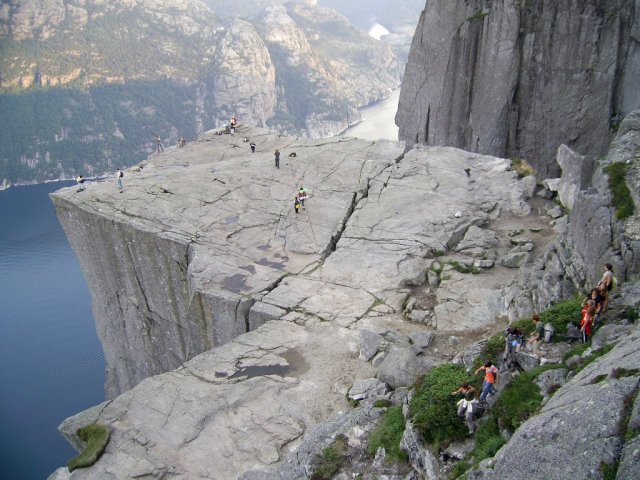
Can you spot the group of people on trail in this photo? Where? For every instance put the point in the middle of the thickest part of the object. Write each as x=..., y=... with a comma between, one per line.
x=596, y=303
x=471, y=403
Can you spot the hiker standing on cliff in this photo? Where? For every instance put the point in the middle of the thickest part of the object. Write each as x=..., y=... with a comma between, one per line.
x=119, y=176
x=490, y=378
x=252, y=145
x=277, y=155
x=80, y=180
x=159, y=147
x=296, y=205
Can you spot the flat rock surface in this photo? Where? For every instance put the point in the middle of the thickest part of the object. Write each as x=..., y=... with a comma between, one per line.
x=374, y=223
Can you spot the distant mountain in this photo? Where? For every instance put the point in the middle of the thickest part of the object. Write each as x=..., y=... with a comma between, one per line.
x=86, y=85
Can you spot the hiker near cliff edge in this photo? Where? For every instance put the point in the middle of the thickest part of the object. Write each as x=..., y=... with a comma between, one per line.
x=80, y=181
x=277, y=155
x=252, y=145
x=159, y=147
x=490, y=378
x=119, y=176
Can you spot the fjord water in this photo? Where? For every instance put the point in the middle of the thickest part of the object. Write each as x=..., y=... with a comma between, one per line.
x=51, y=363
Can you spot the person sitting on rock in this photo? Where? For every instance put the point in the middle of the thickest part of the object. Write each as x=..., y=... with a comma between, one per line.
x=465, y=388
x=467, y=408
x=537, y=337
x=490, y=378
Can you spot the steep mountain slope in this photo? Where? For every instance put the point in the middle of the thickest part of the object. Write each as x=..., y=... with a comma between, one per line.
x=519, y=78
x=92, y=83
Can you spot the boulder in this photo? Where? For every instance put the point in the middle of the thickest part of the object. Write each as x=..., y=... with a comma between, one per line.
x=514, y=260
x=551, y=379
x=370, y=344
x=401, y=368
x=422, y=339
x=367, y=388
x=476, y=241
x=527, y=361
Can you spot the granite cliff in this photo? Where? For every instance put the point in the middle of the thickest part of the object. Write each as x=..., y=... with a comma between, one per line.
x=234, y=328
x=519, y=78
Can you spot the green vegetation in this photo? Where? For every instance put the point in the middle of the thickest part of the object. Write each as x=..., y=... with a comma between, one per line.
x=609, y=471
x=624, y=372
x=479, y=15
x=622, y=200
x=460, y=268
x=327, y=463
x=584, y=361
x=96, y=437
x=458, y=470
x=560, y=314
x=382, y=403
x=522, y=168
x=518, y=401
x=61, y=132
x=388, y=434
x=630, y=313
x=434, y=409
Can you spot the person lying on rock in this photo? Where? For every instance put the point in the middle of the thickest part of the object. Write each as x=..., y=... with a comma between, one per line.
x=466, y=388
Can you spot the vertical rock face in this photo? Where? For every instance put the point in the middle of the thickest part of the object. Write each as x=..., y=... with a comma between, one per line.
x=517, y=78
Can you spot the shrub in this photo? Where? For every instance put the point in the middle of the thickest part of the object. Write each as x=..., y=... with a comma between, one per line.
x=459, y=469
x=327, y=463
x=622, y=200
x=96, y=437
x=519, y=400
x=630, y=313
x=492, y=351
x=434, y=409
x=388, y=434
x=562, y=313
x=460, y=268
x=488, y=440
x=522, y=168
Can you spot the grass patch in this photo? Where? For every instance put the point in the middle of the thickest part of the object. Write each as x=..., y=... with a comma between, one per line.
x=492, y=351
x=598, y=378
x=630, y=313
x=609, y=470
x=622, y=200
x=560, y=314
x=488, y=440
x=388, y=434
x=327, y=463
x=382, y=403
x=96, y=437
x=434, y=409
x=460, y=268
x=458, y=470
x=522, y=168
x=595, y=355
x=577, y=350
x=624, y=372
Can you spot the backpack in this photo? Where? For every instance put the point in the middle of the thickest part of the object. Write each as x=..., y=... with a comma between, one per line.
x=614, y=282
x=548, y=332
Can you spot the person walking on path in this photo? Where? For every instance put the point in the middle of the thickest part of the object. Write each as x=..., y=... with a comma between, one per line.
x=80, y=181
x=296, y=205
x=159, y=147
x=467, y=409
x=464, y=389
x=302, y=195
x=277, y=155
x=490, y=378
x=252, y=145
x=119, y=176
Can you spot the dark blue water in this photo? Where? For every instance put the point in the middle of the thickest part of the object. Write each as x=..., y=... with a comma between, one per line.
x=51, y=363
